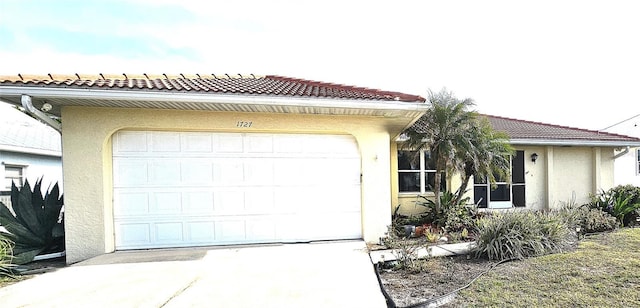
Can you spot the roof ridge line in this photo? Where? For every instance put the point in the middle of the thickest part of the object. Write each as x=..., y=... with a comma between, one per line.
x=561, y=126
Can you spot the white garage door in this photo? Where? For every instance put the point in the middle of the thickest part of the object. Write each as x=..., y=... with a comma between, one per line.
x=179, y=189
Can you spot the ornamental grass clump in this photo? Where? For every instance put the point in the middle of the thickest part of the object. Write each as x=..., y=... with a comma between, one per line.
x=6, y=256
x=519, y=235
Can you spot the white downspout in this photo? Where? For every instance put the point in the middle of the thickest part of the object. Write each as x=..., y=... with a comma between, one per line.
x=625, y=151
x=28, y=106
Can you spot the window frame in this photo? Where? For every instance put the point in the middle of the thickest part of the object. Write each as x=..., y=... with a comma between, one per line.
x=637, y=160
x=510, y=185
x=422, y=171
x=8, y=180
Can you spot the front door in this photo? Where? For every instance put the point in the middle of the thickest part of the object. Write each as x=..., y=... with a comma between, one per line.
x=504, y=194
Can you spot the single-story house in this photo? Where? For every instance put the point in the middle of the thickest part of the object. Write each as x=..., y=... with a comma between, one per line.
x=178, y=161
x=29, y=150
x=627, y=165
x=552, y=165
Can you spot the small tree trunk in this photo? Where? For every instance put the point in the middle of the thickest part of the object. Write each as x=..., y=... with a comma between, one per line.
x=437, y=183
x=462, y=189
x=468, y=170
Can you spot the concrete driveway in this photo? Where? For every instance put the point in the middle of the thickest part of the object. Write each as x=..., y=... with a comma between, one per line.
x=331, y=274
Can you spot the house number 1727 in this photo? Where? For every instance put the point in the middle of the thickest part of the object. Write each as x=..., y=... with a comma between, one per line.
x=243, y=124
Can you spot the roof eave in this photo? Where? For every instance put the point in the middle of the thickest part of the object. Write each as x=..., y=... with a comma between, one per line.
x=26, y=150
x=573, y=142
x=290, y=104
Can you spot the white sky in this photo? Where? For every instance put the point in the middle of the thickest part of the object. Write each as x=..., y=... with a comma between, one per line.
x=573, y=63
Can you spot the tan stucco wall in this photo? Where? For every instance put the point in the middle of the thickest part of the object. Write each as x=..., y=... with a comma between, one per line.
x=87, y=162
x=559, y=174
x=578, y=172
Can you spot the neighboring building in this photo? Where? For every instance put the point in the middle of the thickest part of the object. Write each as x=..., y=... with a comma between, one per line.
x=29, y=150
x=627, y=165
x=553, y=165
x=178, y=161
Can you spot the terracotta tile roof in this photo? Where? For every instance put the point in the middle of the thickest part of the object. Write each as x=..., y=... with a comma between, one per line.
x=521, y=129
x=209, y=83
x=536, y=132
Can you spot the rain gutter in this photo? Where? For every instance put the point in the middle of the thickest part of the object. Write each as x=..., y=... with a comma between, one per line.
x=123, y=95
x=624, y=152
x=571, y=142
x=28, y=106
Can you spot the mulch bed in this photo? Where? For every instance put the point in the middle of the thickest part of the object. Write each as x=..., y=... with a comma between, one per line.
x=433, y=278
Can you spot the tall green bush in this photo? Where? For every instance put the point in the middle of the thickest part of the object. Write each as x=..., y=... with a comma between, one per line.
x=452, y=215
x=622, y=202
x=36, y=224
x=518, y=235
x=587, y=220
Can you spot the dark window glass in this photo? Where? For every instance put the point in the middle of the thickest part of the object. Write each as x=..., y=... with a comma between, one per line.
x=518, y=195
x=477, y=179
x=430, y=178
x=409, y=181
x=501, y=193
x=517, y=167
x=408, y=160
x=480, y=196
x=429, y=164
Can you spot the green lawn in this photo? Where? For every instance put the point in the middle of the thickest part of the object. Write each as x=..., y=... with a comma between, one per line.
x=603, y=272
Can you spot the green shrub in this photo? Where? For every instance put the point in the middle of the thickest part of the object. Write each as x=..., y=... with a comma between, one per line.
x=518, y=235
x=37, y=226
x=585, y=219
x=6, y=256
x=622, y=202
x=453, y=217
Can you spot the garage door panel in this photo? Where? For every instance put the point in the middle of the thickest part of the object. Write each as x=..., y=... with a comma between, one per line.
x=195, y=188
x=258, y=172
x=168, y=232
x=228, y=143
x=195, y=202
x=259, y=143
x=130, y=142
x=130, y=173
x=197, y=143
x=166, y=203
x=261, y=229
x=133, y=234
x=228, y=172
x=165, y=142
x=259, y=200
x=287, y=144
x=165, y=172
x=230, y=230
x=196, y=171
x=228, y=202
x=131, y=203
x=201, y=231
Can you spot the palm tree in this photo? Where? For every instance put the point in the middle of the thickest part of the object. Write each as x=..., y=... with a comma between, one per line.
x=459, y=140
x=444, y=131
x=488, y=156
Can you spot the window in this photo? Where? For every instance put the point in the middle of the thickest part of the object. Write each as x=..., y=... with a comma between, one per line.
x=504, y=194
x=638, y=161
x=417, y=172
x=13, y=174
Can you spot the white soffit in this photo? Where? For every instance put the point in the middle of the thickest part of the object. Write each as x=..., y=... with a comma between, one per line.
x=212, y=102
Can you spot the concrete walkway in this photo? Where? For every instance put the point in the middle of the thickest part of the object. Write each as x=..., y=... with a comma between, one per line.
x=335, y=274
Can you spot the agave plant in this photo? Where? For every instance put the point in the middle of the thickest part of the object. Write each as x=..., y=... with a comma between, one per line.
x=36, y=225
